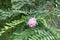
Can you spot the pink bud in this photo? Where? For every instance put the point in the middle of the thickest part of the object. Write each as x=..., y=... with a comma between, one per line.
x=32, y=22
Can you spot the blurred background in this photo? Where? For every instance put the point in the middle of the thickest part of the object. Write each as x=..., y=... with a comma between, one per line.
x=9, y=8
x=44, y=4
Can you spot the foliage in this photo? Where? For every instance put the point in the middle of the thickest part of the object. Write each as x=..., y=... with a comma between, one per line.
x=14, y=19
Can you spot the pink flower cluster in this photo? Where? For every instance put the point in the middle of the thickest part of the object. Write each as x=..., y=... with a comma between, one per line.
x=32, y=22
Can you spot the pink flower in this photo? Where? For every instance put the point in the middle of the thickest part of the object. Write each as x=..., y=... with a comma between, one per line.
x=32, y=22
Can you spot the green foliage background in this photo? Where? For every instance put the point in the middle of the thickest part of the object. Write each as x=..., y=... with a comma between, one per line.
x=14, y=15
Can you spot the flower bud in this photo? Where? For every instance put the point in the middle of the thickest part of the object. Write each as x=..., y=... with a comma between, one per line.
x=32, y=22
